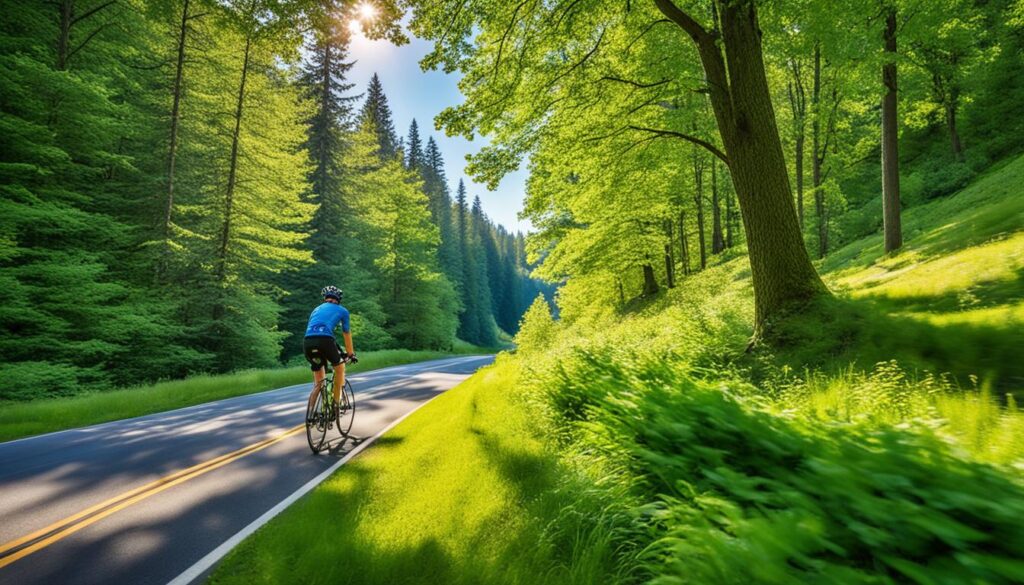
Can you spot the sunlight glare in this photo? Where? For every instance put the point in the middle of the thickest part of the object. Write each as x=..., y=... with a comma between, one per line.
x=366, y=11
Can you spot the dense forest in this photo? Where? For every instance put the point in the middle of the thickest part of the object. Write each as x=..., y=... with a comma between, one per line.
x=180, y=178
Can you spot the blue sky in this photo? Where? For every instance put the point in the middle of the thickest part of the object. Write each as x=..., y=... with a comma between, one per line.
x=414, y=93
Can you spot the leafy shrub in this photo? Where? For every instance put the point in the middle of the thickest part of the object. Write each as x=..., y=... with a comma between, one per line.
x=738, y=494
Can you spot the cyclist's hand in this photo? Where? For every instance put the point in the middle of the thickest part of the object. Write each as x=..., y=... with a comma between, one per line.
x=352, y=359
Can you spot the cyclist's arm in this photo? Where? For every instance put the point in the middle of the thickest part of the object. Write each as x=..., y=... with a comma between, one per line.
x=346, y=332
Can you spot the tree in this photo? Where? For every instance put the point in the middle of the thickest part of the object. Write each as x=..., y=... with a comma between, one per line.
x=378, y=112
x=414, y=156
x=729, y=49
x=890, y=138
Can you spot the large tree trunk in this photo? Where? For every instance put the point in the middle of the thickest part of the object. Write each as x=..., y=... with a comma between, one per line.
x=781, y=270
x=650, y=283
x=890, y=141
x=717, y=241
x=818, y=159
x=800, y=179
x=225, y=234
x=172, y=151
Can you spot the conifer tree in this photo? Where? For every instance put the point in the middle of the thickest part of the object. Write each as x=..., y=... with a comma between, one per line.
x=414, y=160
x=377, y=110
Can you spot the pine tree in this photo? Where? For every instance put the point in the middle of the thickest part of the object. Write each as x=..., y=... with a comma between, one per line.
x=378, y=112
x=436, y=187
x=414, y=159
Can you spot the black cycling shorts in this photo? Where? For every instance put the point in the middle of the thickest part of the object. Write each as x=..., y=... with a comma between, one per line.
x=321, y=350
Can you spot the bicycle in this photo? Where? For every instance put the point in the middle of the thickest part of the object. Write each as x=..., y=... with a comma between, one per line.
x=321, y=414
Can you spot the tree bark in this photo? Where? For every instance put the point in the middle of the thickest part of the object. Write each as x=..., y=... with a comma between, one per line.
x=222, y=250
x=890, y=141
x=781, y=270
x=798, y=105
x=818, y=157
x=650, y=283
x=67, y=12
x=172, y=150
x=717, y=241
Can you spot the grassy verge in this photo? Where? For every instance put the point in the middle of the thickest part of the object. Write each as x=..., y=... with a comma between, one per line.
x=22, y=419
x=461, y=492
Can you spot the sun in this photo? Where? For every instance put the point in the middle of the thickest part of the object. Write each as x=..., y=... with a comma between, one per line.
x=361, y=14
x=366, y=11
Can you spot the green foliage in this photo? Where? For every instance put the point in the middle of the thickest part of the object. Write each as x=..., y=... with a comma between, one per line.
x=745, y=495
x=537, y=329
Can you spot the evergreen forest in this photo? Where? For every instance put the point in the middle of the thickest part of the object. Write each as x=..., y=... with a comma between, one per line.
x=180, y=179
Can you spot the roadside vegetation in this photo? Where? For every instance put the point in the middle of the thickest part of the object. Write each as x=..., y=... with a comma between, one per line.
x=22, y=419
x=464, y=491
x=625, y=445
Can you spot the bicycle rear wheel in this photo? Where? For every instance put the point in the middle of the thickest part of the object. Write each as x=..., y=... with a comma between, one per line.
x=346, y=409
x=317, y=419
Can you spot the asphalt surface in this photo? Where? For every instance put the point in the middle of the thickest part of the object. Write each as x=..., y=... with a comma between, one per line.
x=46, y=479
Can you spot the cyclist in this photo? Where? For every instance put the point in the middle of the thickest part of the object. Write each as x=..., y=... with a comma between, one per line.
x=321, y=347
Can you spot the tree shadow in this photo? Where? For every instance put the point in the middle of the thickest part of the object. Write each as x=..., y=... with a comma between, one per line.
x=833, y=334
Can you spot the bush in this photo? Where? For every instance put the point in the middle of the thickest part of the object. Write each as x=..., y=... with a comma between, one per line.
x=738, y=494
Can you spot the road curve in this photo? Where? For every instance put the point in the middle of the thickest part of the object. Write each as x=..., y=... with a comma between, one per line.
x=141, y=500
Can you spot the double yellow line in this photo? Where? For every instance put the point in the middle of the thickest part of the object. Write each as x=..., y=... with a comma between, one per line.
x=44, y=537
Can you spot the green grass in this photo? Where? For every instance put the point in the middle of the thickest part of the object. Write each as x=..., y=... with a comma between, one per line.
x=22, y=419
x=461, y=492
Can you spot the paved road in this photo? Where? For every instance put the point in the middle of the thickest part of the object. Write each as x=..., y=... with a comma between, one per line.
x=75, y=488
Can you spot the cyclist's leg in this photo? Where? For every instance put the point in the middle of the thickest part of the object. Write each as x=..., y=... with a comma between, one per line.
x=318, y=378
x=339, y=381
x=317, y=363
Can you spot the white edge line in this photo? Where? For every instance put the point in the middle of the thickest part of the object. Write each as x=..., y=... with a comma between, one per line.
x=196, y=406
x=208, y=561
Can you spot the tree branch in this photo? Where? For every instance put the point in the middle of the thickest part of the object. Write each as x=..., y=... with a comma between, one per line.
x=692, y=139
x=686, y=22
x=86, y=41
x=637, y=84
x=85, y=15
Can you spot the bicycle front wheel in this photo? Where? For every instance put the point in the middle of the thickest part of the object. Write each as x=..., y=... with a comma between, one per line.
x=317, y=419
x=346, y=409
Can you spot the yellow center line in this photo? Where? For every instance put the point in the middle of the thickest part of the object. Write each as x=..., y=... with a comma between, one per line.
x=63, y=528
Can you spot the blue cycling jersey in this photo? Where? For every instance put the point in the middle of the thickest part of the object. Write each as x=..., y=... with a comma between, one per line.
x=325, y=318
